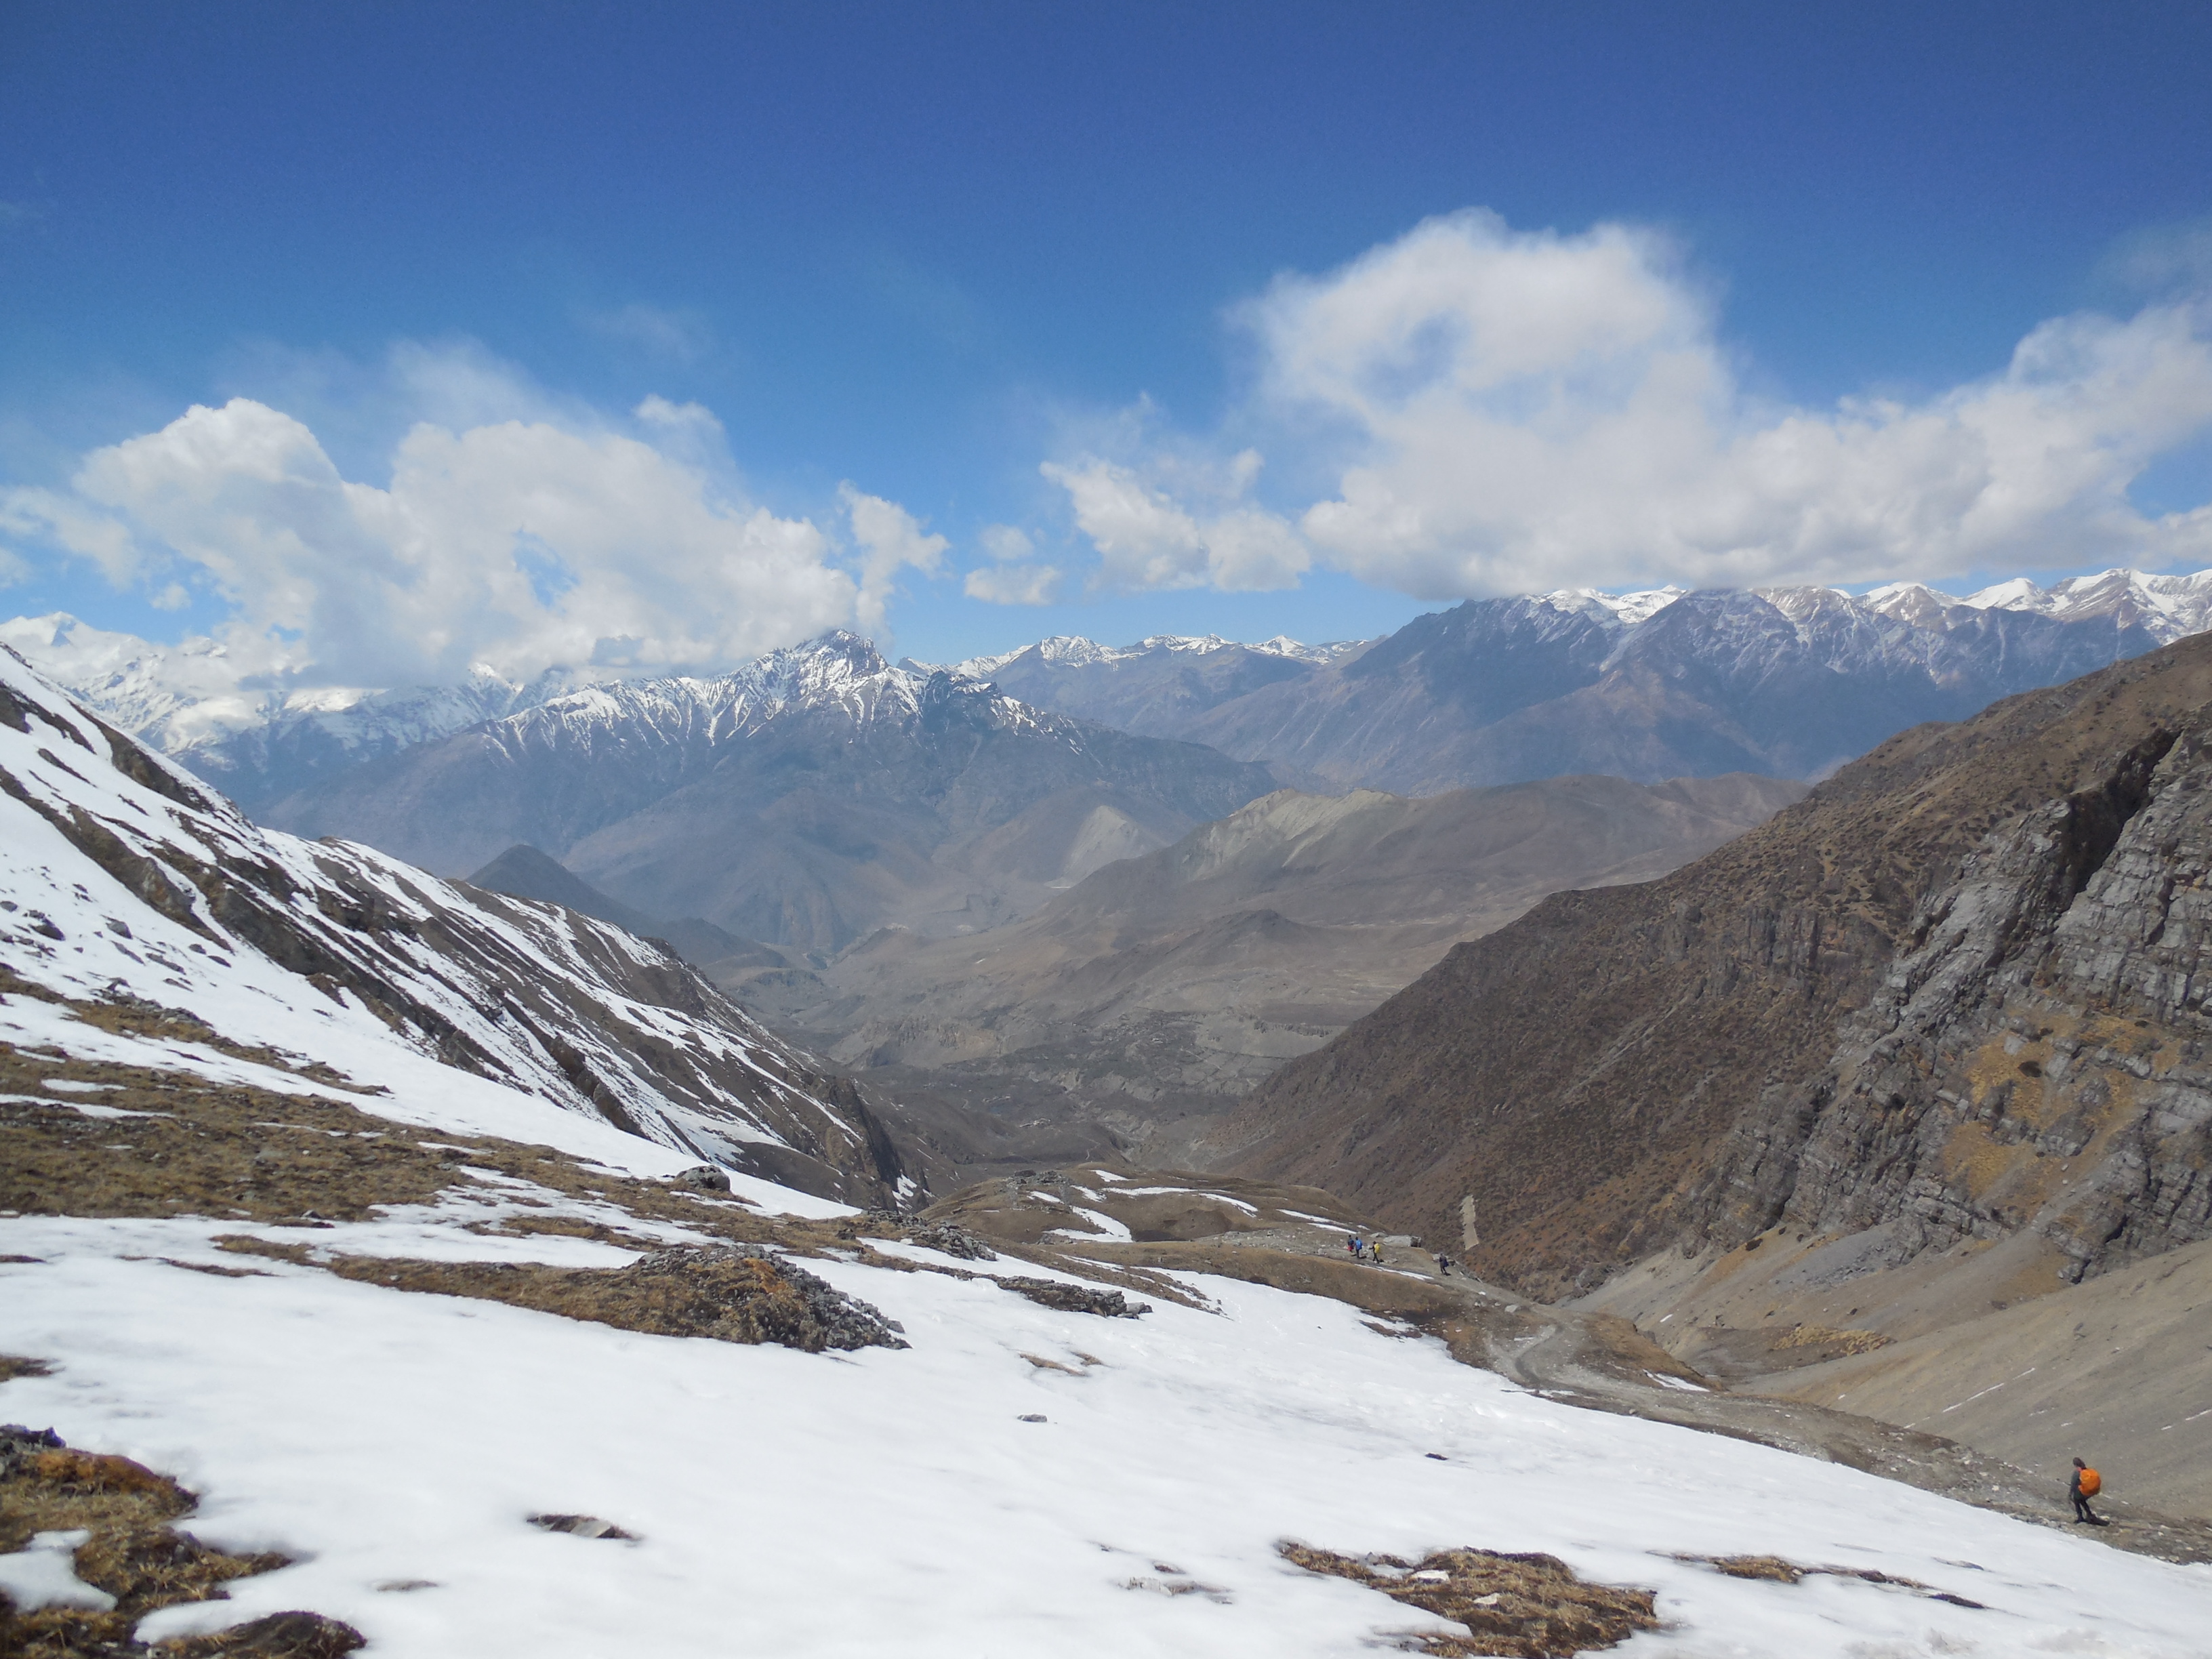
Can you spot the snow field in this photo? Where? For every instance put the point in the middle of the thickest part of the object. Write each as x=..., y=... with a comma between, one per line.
x=791, y=1504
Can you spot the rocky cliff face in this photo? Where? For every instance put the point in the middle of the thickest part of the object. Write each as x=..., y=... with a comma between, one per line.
x=2035, y=1055
x=1952, y=994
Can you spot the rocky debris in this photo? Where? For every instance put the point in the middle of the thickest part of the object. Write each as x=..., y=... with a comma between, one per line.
x=703, y=1177
x=797, y=1309
x=943, y=1235
x=1074, y=1299
x=1529, y=1607
x=581, y=1526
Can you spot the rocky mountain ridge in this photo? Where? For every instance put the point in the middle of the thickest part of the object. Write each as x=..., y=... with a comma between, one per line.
x=255, y=742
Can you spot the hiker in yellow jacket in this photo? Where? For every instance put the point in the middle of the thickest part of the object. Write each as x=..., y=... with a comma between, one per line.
x=2086, y=1485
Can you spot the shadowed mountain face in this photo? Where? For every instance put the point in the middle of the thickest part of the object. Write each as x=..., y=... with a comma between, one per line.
x=1148, y=997
x=812, y=798
x=1946, y=999
x=1158, y=685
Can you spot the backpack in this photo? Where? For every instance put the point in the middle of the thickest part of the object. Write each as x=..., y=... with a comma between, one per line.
x=2091, y=1483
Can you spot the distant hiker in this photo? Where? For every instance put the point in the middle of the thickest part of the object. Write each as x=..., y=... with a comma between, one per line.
x=1352, y=1245
x=2086, y=1485
x=1444, y=1264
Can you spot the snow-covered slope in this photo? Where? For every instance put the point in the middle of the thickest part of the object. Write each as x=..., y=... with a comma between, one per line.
x=126, y=885
x=1018, y=1480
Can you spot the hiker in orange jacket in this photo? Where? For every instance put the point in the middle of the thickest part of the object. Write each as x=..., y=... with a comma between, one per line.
x=2086, y=1485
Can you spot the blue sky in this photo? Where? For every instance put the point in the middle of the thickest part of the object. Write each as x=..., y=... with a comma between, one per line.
x=1295, y=318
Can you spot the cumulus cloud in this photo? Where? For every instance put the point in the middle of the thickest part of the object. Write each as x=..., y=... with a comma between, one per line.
x=1506, y=410
x=1007, y=543
x=1011, y=578
x=517, y=544
x=1145, y=539
x=890, y=540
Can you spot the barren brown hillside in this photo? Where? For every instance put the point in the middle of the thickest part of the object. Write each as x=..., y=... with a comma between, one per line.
x=1632, y=1068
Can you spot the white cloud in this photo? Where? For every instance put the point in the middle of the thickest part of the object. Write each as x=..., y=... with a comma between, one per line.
x=1014, y=584
x=1506, y=411
x=657, y=411
x=1145, y=539
x=1005, y=542
x=45, y=515
x=890, y=541
x=519, y=544
x=676, y=336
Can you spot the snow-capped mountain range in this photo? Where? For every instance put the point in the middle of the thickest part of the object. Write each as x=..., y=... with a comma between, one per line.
x=810, y=798
x=1073, y=651
x=261, y=744
x=128, y=885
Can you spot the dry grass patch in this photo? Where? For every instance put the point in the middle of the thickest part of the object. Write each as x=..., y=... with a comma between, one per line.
x=1527, y=1606
x=1774, y=1568
x=204, y=1149
x=739, y=1294
x=136, y=1556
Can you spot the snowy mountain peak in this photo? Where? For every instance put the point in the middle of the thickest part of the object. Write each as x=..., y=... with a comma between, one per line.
x=1073, y=651
x=2167, y=607
x=1613, y=610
